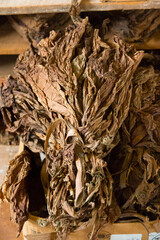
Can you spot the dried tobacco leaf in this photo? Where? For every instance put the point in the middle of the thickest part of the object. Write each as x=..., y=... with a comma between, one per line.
x=7, y=138
x=74, y=93
x=133, y=26
x=14, y=189
x=139, y=174
x=23, y=114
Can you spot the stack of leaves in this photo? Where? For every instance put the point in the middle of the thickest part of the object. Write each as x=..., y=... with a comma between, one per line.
x=71, y=99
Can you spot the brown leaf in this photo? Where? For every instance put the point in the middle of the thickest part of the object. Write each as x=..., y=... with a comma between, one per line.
x=14, y=188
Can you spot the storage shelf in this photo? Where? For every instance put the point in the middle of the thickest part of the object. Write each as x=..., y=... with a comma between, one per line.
x=10, y=41
x=47, y=6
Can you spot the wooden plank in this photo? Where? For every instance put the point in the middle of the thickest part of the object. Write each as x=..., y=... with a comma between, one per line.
x=47, y=6
x=6, y=66
x=10, y=41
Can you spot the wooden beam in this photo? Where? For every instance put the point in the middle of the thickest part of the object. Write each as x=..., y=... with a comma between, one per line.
x=47, y=6
x=10, y=41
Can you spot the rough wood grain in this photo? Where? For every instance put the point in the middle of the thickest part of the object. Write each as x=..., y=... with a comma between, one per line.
x=46, y=6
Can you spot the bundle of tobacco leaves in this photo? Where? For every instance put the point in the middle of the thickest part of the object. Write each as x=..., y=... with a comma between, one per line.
x=23, y=189
x=78, y=97
x=14, y=188
x=142, y=24
x=136, y=26
x=137, y=181
x=35, y=27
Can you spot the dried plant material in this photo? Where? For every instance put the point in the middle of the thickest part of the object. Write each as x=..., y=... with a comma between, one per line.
x=73, y=93
x=7, y=138
x=157, y=226
x=139, y=175
x=37, y=26
x=23, y=114
x=133, y=26
x=15, y=189
x=1, y=195
x=79, y=97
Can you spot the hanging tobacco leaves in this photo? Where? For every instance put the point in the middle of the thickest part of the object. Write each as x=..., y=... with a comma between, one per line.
x=78, y=97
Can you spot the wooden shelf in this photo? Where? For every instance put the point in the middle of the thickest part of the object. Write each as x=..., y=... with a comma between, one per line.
x=6, y=66
x=48, y=6
x=10, y=41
